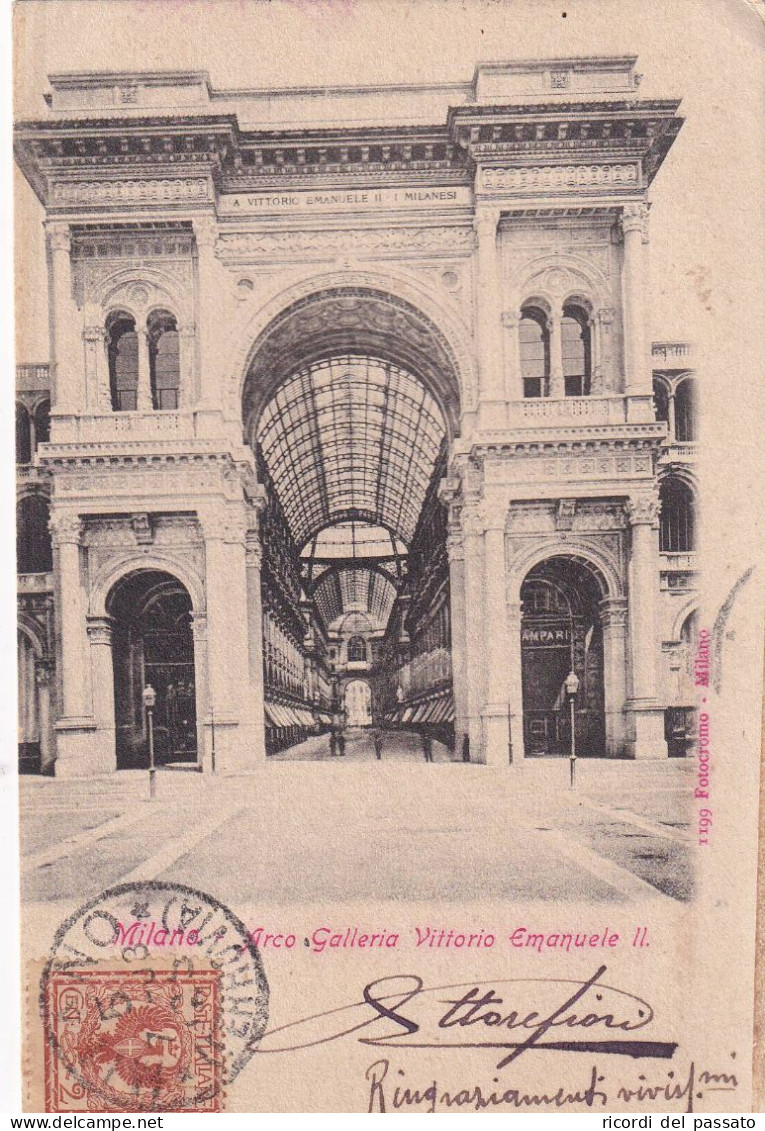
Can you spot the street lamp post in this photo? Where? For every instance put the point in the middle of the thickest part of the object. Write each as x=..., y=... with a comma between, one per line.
x=572, y=687
x=149, y=699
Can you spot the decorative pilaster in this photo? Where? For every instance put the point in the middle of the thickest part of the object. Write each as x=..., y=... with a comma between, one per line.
x=511, y=321
x=205, y=721
x=488, y=313
x=643, y=514
x=474, y=630
x=102, y=670
x=634, y=227
x=67, y=392
x=603, y=373
x=613, y=620
x=42, y=683
x=449, y=493
x=496, y=715
x=515, y=681
x=205, y=235
x=97, y=391
x=188, y=391
x=228, y=643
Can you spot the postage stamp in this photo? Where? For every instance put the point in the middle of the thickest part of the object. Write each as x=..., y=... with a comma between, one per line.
x=153, y=997
x=143, y=1040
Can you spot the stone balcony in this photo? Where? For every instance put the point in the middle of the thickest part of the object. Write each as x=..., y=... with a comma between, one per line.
x=613, y=411
x=678, y=561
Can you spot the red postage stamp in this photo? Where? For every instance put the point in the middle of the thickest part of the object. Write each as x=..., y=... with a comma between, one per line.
x=139, y=1040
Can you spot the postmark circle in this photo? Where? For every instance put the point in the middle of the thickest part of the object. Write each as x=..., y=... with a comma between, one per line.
x=154, y=997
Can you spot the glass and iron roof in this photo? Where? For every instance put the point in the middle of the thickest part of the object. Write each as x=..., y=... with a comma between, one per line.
x=354, y=540
x=351, y=439
x=358, y=590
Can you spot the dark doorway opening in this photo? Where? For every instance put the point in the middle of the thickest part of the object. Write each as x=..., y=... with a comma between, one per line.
x=152, y=644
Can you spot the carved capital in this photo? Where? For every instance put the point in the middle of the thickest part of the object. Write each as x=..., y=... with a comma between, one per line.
x=643, y=510
x=253, y=550
x=486, y=222
x=634, y=218
x=59, y=236
x=606, y=316
x=613, y=612
x=43, y=673
x=65, y=527
x=205, y=232
x=100, y=630
x=510, y=319
x=224, y=524
x=95, y=334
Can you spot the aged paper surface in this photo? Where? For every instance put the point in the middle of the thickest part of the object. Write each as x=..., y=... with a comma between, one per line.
x=389, y=622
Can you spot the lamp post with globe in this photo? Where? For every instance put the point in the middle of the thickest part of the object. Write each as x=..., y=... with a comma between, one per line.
x=572, y=687
x=149, y=700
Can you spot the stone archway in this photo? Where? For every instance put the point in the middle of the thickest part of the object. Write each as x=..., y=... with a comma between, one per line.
x=357, y=698
x=149, y=619
x=562, y=632
x=351, y=402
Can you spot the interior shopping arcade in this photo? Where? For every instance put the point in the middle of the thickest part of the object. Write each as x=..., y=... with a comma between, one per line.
x=353, y=428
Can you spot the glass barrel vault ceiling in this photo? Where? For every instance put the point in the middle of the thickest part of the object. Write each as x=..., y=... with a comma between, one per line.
x=345, y=590
x=351, y=437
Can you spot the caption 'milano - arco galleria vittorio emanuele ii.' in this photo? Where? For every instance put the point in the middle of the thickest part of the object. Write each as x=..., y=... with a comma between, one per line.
x=353, y=418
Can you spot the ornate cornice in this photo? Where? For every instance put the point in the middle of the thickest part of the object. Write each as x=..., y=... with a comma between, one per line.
x=233, y=246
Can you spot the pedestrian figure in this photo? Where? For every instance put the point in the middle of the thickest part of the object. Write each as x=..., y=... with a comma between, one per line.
x=377, y=739
x=341, y=744
x=466, y=748
x=332, y=743
x=427, y=747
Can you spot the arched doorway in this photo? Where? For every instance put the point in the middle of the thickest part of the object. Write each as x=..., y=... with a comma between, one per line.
x=561, y=632
x=358, y=703
x=152, y=644
x=350, y=404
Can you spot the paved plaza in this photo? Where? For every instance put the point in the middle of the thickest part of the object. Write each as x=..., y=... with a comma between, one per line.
x=307, y=828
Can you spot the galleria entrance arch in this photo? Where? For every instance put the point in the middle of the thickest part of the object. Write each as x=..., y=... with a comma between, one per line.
x=350, y=406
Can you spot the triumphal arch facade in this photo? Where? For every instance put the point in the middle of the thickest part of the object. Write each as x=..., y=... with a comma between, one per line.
x=351, y=406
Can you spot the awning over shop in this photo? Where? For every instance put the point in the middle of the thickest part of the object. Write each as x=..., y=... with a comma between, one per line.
x=287, y=715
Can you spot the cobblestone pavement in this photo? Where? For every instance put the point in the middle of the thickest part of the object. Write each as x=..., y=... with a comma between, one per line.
x=353, y=828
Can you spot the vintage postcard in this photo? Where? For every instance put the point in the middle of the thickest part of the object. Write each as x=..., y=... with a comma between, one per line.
x=388, y=433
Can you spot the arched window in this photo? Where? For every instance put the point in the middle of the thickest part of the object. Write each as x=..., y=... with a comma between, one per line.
x=123, y=362
x=661, y=399
x=685, y=411
x=23, y=435
x=576, y=350
x=677, y=532
x=357, y=650
x=164, y=362
x=534, y=339
x=34, y=553
x=42, y=423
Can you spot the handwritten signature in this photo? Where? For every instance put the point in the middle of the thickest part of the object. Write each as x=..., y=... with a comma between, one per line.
x=512, y=1016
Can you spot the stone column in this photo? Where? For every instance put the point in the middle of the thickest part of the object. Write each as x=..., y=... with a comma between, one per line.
x=228, y=644
x=557, y=383
x=647, y=716
x=42, y=681
x=488, y=311
x=496, y=712
x=637, y=367
x=98, y=391
x=475, y=645
x=511, y=321
x=455, y=549
x=205, y=235
x=75, y=725
x=66, y=355
x=145, y=402
x=102, y=668
x=254, y=562
x=187, y=390
x=202, y=688
x=515, y=681
x=671, y=429
x=605, y=322
x=613, y=619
